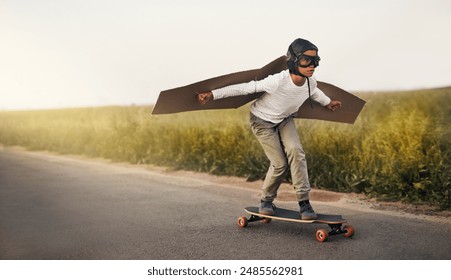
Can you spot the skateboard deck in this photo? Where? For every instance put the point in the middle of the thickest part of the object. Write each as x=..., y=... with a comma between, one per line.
x=335, y=222
x=294, y=216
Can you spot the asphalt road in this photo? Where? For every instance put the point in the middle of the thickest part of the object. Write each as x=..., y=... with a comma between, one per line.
x=56, y=207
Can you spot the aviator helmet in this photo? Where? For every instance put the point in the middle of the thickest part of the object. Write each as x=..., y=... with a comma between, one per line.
x=296, y=56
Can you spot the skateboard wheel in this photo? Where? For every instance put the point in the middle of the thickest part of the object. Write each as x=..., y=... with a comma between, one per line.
x=349, y=231
x=267, y=220
x=321, y=235
x=242, y=222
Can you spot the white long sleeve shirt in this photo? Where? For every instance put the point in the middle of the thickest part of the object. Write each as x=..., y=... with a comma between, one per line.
x=281, y=99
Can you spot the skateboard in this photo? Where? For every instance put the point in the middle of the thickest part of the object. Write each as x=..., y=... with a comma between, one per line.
x=335, y=222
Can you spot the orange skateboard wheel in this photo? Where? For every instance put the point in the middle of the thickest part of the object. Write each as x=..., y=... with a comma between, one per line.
x=349, y=231
x=242, y=222
x=321, y=235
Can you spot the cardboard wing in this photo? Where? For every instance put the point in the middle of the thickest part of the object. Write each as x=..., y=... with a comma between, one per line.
x=348, y=113
x=184, y=98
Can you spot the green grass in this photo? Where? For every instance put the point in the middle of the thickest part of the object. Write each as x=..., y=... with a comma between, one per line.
x=398, y=150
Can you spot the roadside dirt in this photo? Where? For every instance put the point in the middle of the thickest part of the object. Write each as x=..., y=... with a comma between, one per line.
x=344, y=200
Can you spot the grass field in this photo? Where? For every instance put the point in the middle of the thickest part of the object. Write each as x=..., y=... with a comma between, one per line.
x=398, y=150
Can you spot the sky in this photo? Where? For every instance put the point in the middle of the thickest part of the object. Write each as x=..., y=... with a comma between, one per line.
x=66, y=53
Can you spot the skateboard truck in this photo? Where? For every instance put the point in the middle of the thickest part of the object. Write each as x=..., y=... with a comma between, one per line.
x=255, y=218
x=346, y=230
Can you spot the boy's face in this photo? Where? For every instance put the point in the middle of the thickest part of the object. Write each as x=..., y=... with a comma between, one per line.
x=309, y=70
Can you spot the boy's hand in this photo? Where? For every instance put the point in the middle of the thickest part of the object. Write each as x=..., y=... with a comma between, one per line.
x=334, y=105
x=204, y=97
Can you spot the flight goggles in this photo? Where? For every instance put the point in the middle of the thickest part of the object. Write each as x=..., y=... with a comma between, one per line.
x=305, y=61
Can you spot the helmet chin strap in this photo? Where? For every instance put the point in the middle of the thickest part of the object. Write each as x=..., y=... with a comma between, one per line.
x=309, y=94
x=296, y=72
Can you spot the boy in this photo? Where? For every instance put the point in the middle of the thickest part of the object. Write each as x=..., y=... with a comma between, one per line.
x=272, y=121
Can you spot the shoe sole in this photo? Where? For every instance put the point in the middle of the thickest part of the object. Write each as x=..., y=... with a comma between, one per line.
x=309, y=217
x=266, y=213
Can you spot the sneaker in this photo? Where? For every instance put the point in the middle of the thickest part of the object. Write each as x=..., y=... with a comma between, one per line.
x=307, y=212
x=266, y=208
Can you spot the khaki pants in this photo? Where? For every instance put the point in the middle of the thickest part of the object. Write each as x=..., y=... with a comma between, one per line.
x=283, y=148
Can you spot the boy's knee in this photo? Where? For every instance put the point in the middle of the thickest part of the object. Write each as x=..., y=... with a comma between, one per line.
x=295, y=151
x=280, y=167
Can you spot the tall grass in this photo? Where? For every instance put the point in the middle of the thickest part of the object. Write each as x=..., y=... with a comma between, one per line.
x=398, y=150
